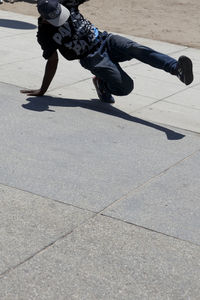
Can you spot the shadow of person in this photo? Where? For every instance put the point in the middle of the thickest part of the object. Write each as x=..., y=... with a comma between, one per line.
x=14, y=24
x=41, y=104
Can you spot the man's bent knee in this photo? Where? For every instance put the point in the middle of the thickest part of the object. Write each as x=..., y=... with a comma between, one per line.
x=125, y=89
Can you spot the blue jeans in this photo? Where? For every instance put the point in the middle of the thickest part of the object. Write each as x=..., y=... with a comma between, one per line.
x=104, y=62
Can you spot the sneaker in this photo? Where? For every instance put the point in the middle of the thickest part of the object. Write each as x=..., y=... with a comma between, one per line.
x=1, y=1
x=104, y=96
x=184, y=70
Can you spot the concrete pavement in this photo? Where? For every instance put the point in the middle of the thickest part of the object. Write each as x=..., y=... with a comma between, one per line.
x=97, y=201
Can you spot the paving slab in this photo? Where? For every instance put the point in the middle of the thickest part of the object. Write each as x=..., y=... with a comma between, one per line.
x=108, y=259
x=22, y=50
x=29, y=224
x=173, y=114
x=79, y=151
x=188, y=98
x=18, y=73
x=197, y=87
x=154, y=88
x=168, y=204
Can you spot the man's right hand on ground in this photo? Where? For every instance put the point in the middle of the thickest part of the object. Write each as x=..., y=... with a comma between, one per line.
x=32, y=92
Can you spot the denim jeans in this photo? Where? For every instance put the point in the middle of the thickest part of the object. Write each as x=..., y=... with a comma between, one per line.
x=104, y=62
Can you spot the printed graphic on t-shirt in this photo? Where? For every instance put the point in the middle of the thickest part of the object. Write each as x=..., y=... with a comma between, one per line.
x=77, y=35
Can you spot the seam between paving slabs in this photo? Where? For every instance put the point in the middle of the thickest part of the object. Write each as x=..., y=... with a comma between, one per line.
x=135, y=190
x=101, y=213
x=2, y=275
x=44, y=248
x=46, y=198
x=179, y=92
x=68, y=85
x=165, y=98
x=151, y=230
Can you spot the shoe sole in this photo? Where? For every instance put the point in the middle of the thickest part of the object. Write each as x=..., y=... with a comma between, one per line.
x=99, y=95
x=186, y=65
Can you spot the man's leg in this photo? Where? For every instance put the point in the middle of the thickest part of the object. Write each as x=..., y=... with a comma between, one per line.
x=122, y=49
x=111, y=78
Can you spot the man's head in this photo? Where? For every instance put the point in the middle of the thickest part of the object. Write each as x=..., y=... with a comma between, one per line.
x=53, y=12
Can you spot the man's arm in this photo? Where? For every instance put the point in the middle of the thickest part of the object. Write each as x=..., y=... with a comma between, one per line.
x=50, y=70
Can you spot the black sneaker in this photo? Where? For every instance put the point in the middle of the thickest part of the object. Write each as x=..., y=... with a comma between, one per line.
x=104, y=96
x=184, y=70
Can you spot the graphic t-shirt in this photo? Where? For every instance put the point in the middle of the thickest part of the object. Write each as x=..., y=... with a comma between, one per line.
x=75, y=39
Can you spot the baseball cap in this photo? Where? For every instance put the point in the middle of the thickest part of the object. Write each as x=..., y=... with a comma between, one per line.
x=52, y=11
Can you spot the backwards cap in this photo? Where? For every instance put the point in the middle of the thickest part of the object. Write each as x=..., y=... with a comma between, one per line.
x=52, y=11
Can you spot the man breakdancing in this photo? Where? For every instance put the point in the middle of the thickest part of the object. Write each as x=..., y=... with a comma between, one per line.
x=62, y=28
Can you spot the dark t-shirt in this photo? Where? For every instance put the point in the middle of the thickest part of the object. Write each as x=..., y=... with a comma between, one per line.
x=75, y=39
